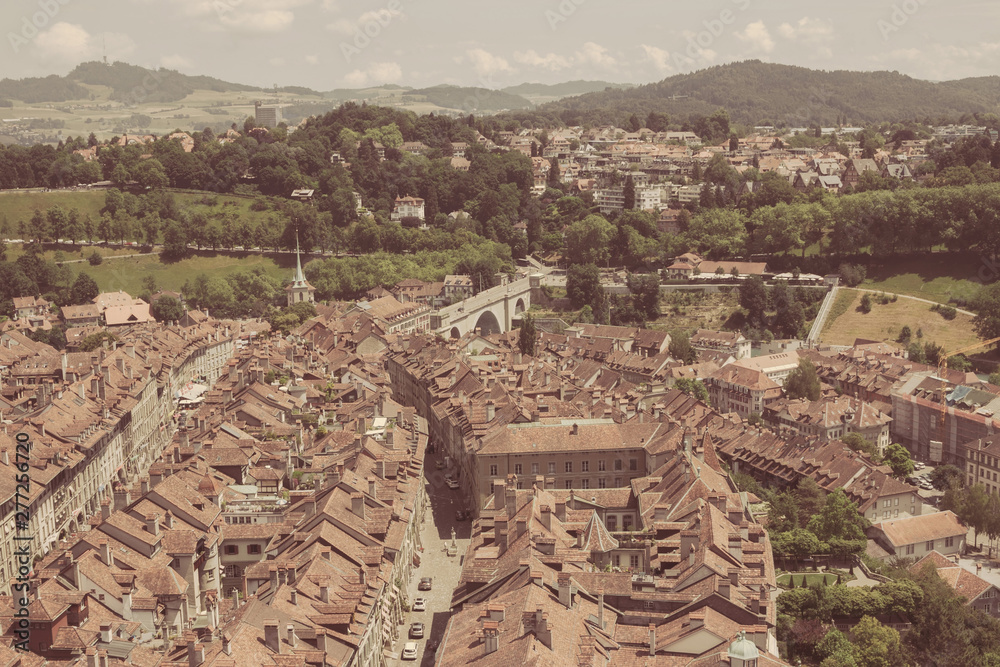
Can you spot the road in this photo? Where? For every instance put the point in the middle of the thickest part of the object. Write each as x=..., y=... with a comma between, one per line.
x=435, y=562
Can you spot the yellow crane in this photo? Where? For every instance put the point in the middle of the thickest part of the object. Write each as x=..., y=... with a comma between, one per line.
x=943, y=362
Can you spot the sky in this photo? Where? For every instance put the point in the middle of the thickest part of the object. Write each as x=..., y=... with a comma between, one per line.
x=327, y=44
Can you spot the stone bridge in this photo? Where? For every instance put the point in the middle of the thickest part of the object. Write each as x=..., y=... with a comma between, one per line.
x=491, y=311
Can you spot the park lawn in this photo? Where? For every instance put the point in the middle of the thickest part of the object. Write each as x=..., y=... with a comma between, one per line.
x=934, y=277
x=883, y=323
x=127, y=274
x=812, y=578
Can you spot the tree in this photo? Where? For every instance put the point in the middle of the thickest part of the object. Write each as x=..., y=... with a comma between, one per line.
x=527, y=336
x=719, y=233
x=645, y=291
x=694, y=388
x=803, y=381
x=166, y=309
x=680, y=348
x=897, y=458
x=588, y=240
x=583, y=286
x=947, y=476
x=859, y=443
x=839, y=519
x=553, y=179
x=876, y=645
x=84, y=289
x=986, y=304
x=629, y=193
x=866, y=304
x=753, y=299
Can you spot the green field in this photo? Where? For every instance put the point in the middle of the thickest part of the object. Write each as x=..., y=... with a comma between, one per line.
x=127, y=274
x=20, y=205
x=936, y=278
x=812, y=578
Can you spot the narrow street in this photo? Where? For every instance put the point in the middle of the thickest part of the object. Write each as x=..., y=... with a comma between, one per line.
x=435, y=563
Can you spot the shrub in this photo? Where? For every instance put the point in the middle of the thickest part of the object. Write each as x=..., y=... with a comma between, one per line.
x=95, y=258
x=866, y=304
x=853, y=274
x=947, y=312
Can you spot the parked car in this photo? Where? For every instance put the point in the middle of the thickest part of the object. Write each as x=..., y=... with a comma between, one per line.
x=425, y=584
x=420, y=604
x=416, y=630
x=410, y=651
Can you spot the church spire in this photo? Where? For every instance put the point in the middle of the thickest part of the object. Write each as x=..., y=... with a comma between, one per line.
x=299, y=278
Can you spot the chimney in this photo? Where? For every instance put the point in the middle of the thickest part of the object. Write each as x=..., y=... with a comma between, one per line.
x=5, y=457
x=491, y=411
x=271, y=639
x=236, y=599
x=127, y=603
x=536, y=578
x=547, y=517
x=652, y=639
x=106, y=633
x=102, y=658
x=105, y=509
x=120, y=363
x=293, y=596
x=522, y=525
x=510, y=499
x=371, y=485
x=105, y=552
x=144, y=485
x=736, y=546
x=600, y=607
x=153, y=523
x=561, y=510
x=491, y=639
x=696, y=619
x=542, y=630
x=324, y=592
x=272, y=576
x=495, y=612
x=380, y=467
x=91, y=657
x=358, y=504
x=576, y=429
x=292, y=569
x=500, y=533
x=168, y=519
x=196, y=653
x=724, y=586
x=227, y=643
x=290, y=634
x=550, y=483
x=565, y=583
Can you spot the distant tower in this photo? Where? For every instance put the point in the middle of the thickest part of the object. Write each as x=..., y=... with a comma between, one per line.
x=300, y=290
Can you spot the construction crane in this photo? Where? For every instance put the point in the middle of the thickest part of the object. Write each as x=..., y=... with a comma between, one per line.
x=942, y=363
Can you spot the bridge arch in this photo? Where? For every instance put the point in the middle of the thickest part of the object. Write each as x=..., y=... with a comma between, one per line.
x=455, y=333
x=519, y=307
x=488, y=324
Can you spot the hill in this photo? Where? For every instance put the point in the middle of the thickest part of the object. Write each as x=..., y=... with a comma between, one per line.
x=757, y=92
x=469, y=99
x=543, y=92
x=128, y=83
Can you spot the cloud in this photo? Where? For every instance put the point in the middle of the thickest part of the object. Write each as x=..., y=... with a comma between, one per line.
x=276, y=62
x=175, y=61
x=816, y=33
x=658, y=57
x=71, y=43
x=375, y=73
x=487, y=64
x=370, y=23
x=941, y=62
x=595, y=55
x=757, y=36
x=312, y=60
x=550, y=61
x=243, y=16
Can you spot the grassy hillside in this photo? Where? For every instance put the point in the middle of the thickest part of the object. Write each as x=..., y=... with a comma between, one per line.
x=469, y=99
x=753, y=91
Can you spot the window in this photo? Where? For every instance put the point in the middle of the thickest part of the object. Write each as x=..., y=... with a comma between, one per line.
x=585, y=484
x=895, y=501
x=211, y=575
x=253, y=549
x=618, y=464
x=612, y=523
x=600, y=465
x=618, y=482
x=534, y=468
x=232, y=549
x=517, y=468
x=618, y=560
x=626, y=523
x=493, y=470
x=648, y=604
x=930, y=545
x=633, y=561
x=949, y=541
x=602, y=483
x=585, y=466
x=552, y=467
x=909, y=549
x=633, y=464
x=569, y=484
x=569, y=466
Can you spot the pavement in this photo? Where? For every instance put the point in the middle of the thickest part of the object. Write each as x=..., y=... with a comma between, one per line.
x=435, y=536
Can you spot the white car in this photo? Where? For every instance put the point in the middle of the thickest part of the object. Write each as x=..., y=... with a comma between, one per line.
x=420, y=604
x=410, y=651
